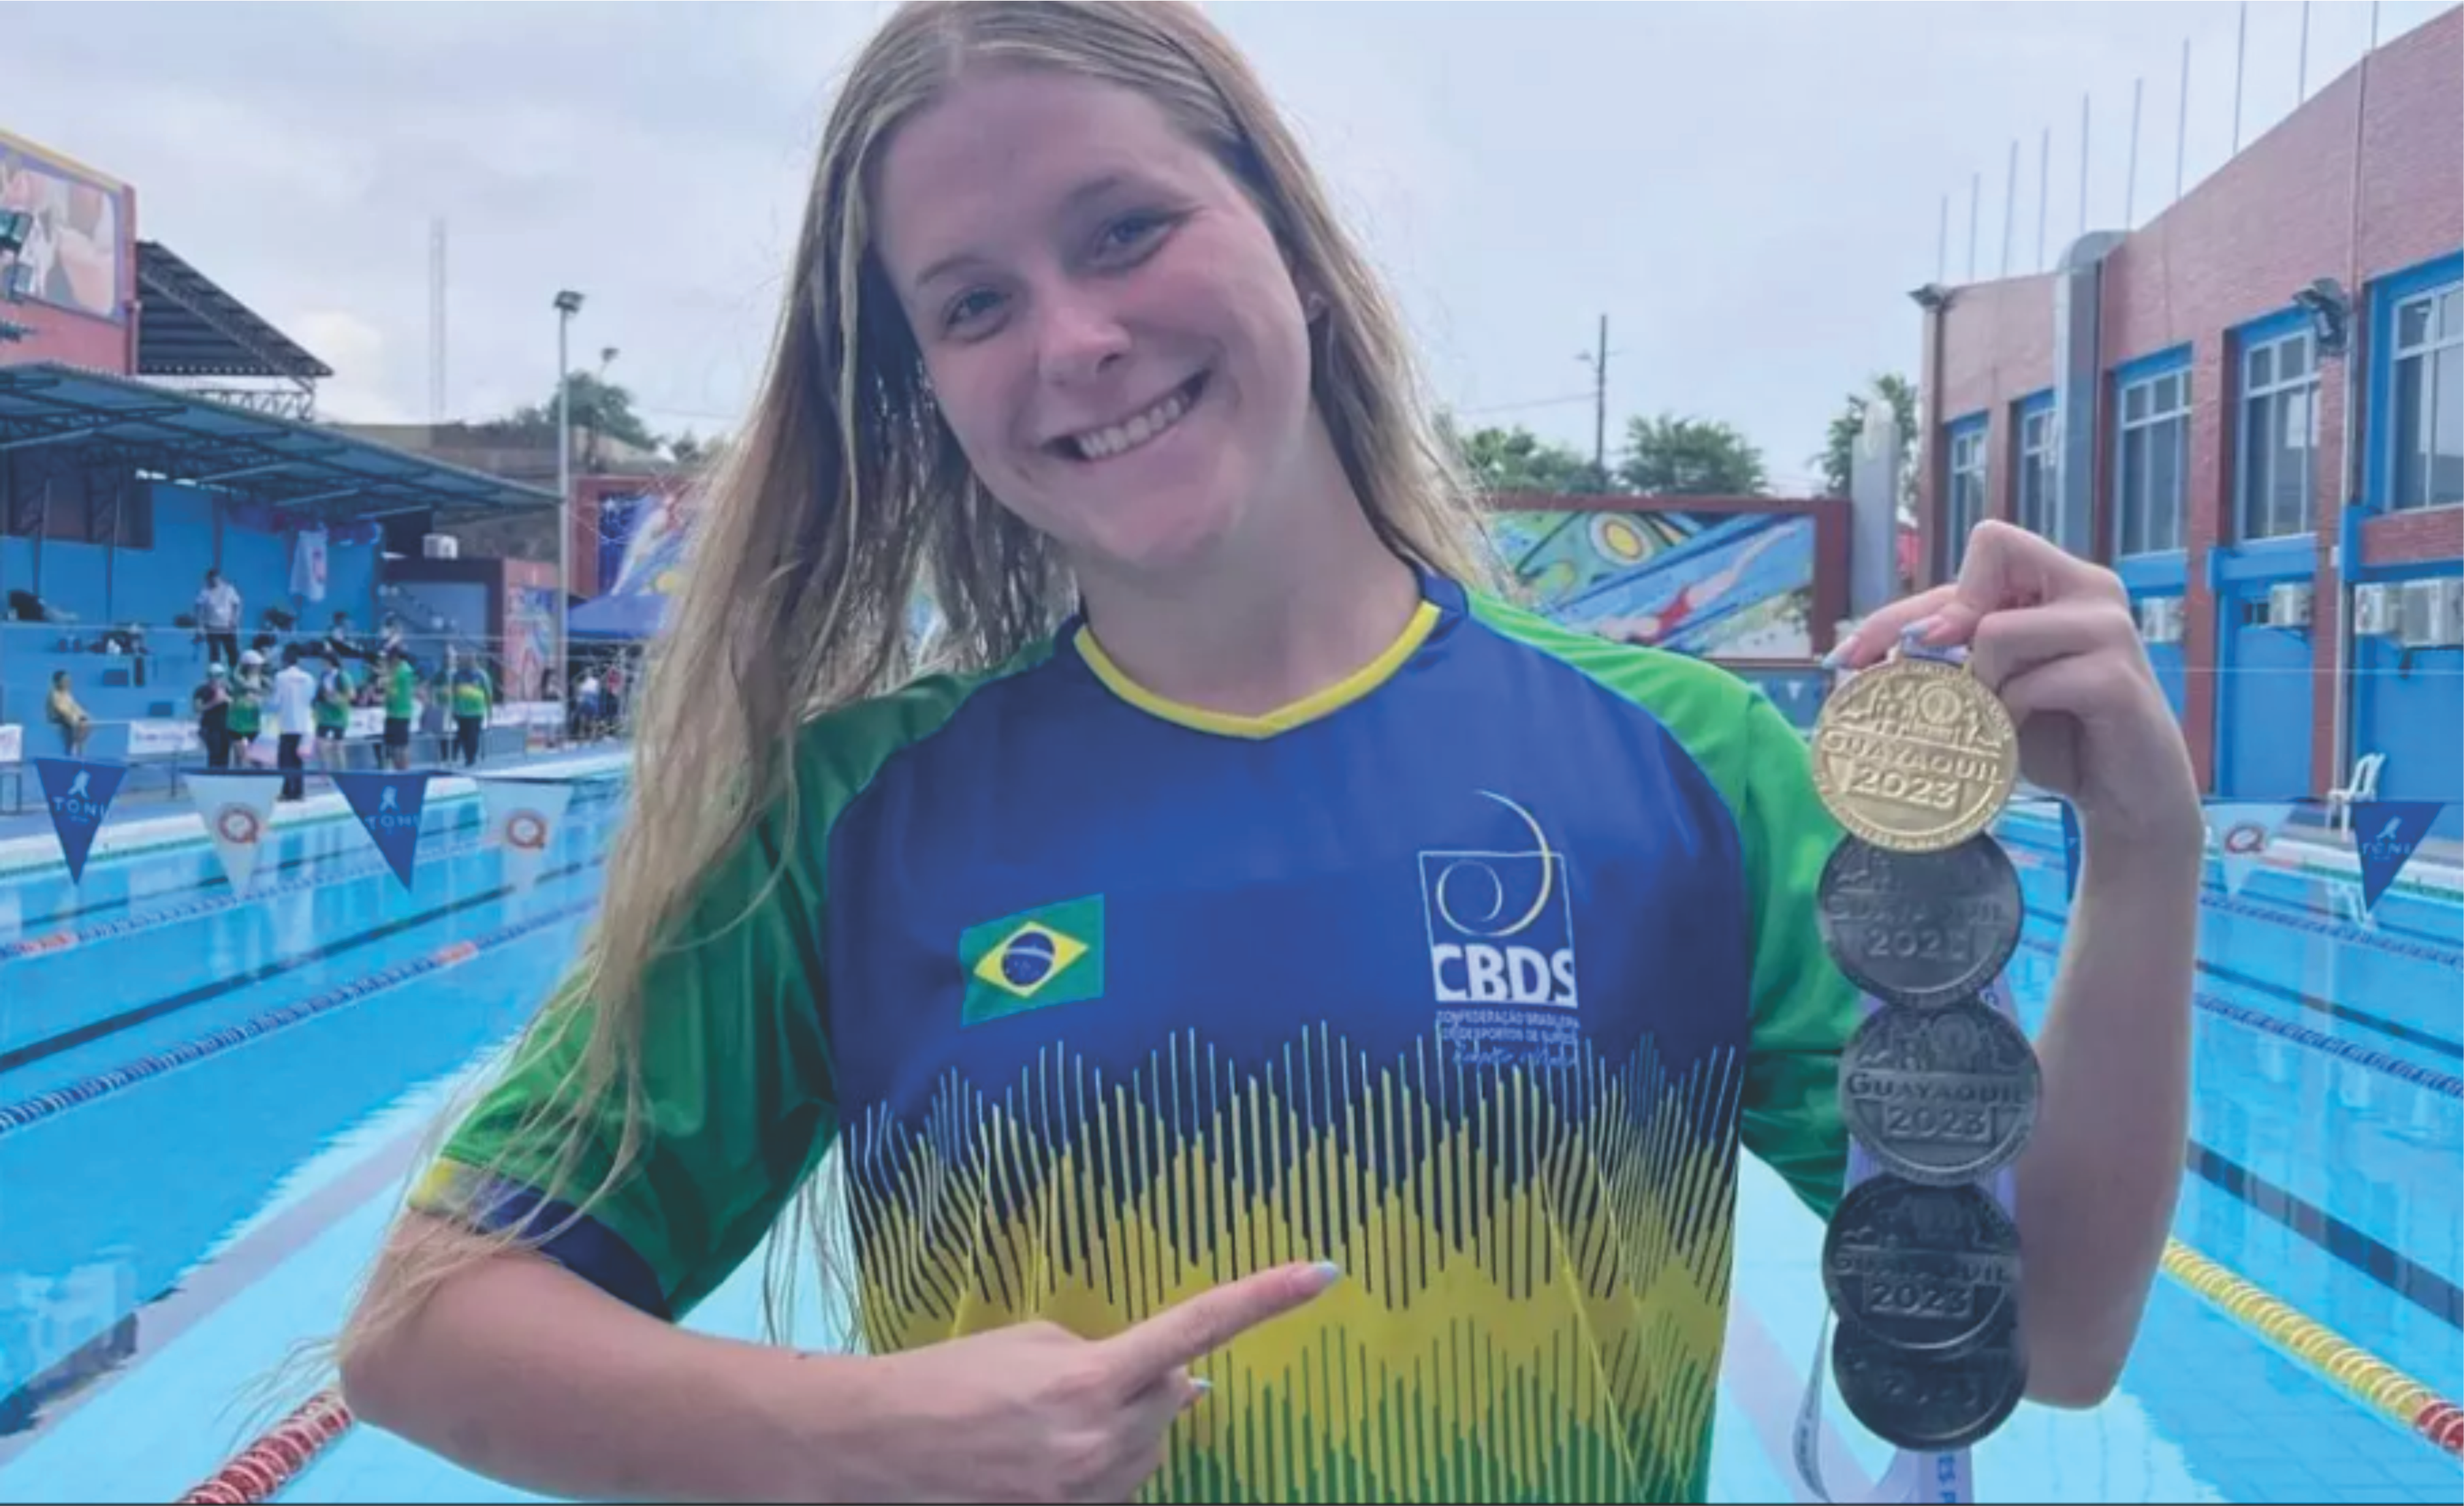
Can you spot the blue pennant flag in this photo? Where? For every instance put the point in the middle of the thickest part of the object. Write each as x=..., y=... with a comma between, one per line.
x=389, y=805
x=2384, y=835
x=79, y=794
x=2069, y=848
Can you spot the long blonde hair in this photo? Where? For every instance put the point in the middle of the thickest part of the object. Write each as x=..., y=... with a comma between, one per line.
x=847, y=492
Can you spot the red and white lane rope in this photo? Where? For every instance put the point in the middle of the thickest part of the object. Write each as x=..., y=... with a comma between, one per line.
x=259, y=1471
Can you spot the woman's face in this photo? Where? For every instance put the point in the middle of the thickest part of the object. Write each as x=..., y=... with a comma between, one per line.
x=1110, y=330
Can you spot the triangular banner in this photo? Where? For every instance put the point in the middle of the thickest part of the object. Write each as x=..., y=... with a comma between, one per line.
x=2070, y=850
x=521, y=819
x=79, y=794
x=237, y=808
x=2243, y=830
x=389, y=805
x=2384, y=835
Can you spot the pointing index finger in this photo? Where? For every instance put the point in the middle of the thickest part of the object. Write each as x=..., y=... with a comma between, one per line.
x=1188, y=1331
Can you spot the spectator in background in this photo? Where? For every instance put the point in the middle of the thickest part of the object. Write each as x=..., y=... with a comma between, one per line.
x=68, y=716
x=211, y=701
x=295, y=710
x=470, y=695
x=339, y=644
x=400, y=703
x=218, y=614
x=247, y=716
x=333, y=709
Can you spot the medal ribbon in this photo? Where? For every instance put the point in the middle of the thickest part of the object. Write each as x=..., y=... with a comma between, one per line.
x=1912, y=1474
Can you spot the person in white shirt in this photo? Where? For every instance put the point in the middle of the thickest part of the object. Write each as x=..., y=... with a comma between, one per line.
x=295, y=713
x=218, y=613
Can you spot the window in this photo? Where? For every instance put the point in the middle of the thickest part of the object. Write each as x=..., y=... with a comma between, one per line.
x=2036, y=499
x=1965, y=498
x=2154, y=457
x=2429, y=395
x=2280, y=436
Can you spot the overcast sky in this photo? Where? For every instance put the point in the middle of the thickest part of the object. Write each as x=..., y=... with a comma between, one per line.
x=1747, y=191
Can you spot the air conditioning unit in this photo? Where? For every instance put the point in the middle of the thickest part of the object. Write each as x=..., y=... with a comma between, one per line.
x=2160, y=619
x=2376, y=611
x=2433, y=614
x=2288, y=604
x=440, y=546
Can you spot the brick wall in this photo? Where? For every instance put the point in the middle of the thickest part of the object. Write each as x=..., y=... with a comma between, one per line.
x=2234, y=250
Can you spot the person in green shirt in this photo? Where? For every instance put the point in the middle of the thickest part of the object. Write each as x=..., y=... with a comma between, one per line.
x=334, y=689
x=400, y=706
x=471, y=695
x=246, y=715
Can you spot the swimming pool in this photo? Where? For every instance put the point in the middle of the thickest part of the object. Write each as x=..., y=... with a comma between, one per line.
x=266, y=1064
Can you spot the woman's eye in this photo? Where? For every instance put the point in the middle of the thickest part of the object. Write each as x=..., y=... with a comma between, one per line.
x=969, y=305
x=1131, y=232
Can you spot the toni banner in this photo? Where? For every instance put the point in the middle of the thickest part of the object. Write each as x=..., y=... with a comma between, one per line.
x=237, y=808
x=389, y=807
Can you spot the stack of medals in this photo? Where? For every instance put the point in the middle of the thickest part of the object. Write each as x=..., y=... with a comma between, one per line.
x=1921, y=908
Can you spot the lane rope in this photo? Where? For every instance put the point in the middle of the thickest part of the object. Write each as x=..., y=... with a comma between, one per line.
x=2380, y=1386
x=259, y=1471
x=41, y=1106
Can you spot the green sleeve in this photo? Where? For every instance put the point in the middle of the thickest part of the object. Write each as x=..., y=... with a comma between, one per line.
x=736, y=1097
x=1804, y=1007
x=740, y=1097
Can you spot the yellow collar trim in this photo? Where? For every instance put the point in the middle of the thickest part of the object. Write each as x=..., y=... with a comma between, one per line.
x=1283, y=718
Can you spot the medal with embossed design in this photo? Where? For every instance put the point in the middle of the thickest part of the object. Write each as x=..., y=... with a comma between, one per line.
x=1916, y=1403
x=1940, y=1096
x=1929, y=1270
x=1915, y=755
x=1922, y=928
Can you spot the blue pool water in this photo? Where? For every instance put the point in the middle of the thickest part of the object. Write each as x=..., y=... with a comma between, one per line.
x=249, y=1078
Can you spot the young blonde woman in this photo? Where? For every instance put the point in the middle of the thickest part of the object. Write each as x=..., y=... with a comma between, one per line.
x=1284, y=1017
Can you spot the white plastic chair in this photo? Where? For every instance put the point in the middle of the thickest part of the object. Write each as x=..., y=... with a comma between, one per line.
x=2363, y=786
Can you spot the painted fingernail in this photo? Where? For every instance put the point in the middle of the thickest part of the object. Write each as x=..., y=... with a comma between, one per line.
x=1922, y=631
x=1328, y=1272
x=1835, y=658
x=1201, y=1385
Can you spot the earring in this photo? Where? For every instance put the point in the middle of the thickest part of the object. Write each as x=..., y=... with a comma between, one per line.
x=1313, y=307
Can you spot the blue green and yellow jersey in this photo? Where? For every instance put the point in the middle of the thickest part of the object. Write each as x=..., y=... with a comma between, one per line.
x=1472, y=974
x=471, y=691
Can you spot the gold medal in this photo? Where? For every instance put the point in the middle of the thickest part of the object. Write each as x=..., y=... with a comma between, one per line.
x=1915, y=756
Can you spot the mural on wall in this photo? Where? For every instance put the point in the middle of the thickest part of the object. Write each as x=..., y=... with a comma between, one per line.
x=1719, y=585
x=530, y=628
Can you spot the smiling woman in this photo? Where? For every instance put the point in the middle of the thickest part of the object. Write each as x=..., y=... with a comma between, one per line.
x=1284, y=1016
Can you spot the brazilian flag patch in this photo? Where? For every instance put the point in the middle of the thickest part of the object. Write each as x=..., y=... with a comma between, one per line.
x=1053, y=955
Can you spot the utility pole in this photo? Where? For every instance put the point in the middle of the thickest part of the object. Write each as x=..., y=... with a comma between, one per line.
x=1601, y=408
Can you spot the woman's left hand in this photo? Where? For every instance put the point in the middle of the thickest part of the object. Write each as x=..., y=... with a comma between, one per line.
x=2052, y=634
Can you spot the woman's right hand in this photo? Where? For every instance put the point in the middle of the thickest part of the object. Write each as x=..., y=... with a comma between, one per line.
x=1036, y=1413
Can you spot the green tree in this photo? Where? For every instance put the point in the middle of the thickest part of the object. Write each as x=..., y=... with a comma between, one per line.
x=1839, y=447
x=1672, y=456
x=605, y=406
x=1517, y=460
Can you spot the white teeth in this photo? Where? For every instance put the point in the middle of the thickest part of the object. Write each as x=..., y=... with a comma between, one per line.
x=1104, y=443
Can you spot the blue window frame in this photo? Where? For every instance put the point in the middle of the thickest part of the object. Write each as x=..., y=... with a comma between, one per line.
x=2151, y=404
x=2277, y=435
x=2038, y=468
x=2416, y=403
x=1963, y=488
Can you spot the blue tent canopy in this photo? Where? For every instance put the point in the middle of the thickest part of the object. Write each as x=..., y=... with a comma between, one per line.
x=619, y=619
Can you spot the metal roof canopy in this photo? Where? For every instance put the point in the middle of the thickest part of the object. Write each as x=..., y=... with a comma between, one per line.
x=280, y=463
x=187, y=326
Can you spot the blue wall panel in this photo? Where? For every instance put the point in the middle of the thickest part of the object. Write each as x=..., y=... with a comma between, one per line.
x=2262, y=707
